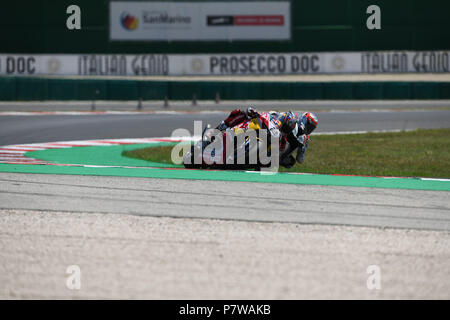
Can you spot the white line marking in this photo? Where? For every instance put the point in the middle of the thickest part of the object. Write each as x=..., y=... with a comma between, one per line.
x=434, y=179
x=359, y=132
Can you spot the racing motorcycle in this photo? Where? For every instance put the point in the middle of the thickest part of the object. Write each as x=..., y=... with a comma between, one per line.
x=237, y=148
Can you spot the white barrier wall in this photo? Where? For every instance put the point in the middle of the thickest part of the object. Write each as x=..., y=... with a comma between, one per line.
x=227, y=64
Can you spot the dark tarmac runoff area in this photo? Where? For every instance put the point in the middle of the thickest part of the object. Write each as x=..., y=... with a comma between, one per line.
x=16, y=129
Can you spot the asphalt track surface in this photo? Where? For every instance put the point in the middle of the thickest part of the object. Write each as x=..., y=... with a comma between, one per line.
x=121, y=231
x=46, y=128
x=431, y=211
x=228, y=200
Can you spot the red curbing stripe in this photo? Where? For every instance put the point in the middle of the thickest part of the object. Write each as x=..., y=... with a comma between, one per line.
x=24, y=159
x=68, y=145
x=164, y=140
x=64, y=164
x=12, y=158
x=43, y=147
x=20, y=162
x=13, y=149
x=113, y=142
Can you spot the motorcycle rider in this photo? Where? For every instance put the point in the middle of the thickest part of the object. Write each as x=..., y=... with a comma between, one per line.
x=299, y=139
x=291, y=128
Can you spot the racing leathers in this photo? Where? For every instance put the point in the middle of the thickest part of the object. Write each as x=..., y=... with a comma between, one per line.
x=268, y=120
x=297, y=142
x=299, y=139
x=236, y=117
x=280, y=124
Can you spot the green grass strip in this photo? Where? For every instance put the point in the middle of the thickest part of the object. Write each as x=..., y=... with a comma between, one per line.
x=112, y=156
x=419, y=153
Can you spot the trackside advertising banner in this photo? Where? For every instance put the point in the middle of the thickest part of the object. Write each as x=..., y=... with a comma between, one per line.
x=227, y=64
x=199, y=21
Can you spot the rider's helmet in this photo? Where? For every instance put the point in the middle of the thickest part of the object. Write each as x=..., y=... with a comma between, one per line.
x=307, y=123
x=288, y=121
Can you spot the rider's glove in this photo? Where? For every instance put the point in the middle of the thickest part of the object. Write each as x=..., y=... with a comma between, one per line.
x=222, y=126
x=251, y=113
x=274, y=132
x=303, y=139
